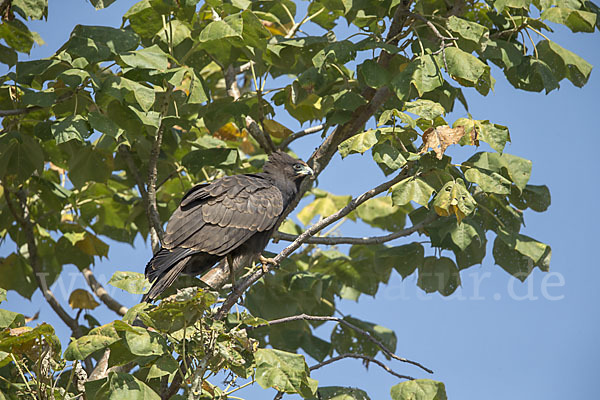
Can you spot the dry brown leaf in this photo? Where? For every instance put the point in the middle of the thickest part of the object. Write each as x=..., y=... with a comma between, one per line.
x=82, y=299
x=439, y=138
x=33, y=318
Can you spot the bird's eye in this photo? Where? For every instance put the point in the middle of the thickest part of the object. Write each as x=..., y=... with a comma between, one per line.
x=297, y=167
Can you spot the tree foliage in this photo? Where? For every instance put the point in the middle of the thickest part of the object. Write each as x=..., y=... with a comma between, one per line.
x=100, y=141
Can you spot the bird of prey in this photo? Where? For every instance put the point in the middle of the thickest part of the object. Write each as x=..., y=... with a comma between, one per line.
x=228, y=220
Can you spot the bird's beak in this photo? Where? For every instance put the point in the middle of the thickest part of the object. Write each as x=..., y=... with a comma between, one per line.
x=306, y=170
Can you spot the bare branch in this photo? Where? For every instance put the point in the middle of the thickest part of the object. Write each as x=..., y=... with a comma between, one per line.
x=101, y=369
x=156, y=230
x=297, y=135
x=249, y=280
x=341, y=321
x=361, y=357
x=102, y=294
x=23, y=217
x=355, y=240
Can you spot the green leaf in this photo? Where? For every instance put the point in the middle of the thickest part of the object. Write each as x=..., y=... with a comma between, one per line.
x=2, y=295
x=348, y=340
x=468, y=70
x=407, y=258
x=83, y=347
x=518, y=254
x=164, y=365
x=519, y=169
x=16, y=35
x=132, y=282
x=103, y=124
x=425, y=108
x=439, y=275
x=419, y=389
x=340, y=393
x=564, y=63
x=20, y=155
x=119, y=386
x=411, y=189
x=324, y=205
x=32, y=9
x=7, y=318
x=575, y=20
x=533, y=196
x=17, y=275
x=380, y=213
x=286, y=372
x=8, y=56
x=147, y=58
x=359, y=143
x=490, y=182
x=468, y=30
x=463, y=234
x=388, y=157
x=41, y=99
x=195, y=160
x=100, y=43
x=230, y=27
x=142, y=342
x=500, y=5
x=100, y=4
x=373, y=74
x=128, y=91
x=493, y=134
x=89, y=164
x=144, y=19
x=73, y=127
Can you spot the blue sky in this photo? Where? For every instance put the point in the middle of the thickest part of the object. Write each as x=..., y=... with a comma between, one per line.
x=495, y=338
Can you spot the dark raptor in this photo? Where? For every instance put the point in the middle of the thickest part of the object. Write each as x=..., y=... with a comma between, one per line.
x=231, y=218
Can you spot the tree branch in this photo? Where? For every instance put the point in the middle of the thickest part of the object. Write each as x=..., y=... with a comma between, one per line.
x=156, y=230
x=361, y=357
x=297, y=135
x=341, y=321
x=22, y=216
x=102, y=294
x=355, y=240
x=249, y=280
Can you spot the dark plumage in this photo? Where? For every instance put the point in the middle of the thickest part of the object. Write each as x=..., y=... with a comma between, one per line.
x=230, y=218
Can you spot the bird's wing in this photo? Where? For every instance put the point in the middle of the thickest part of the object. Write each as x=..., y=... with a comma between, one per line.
x=218, y=217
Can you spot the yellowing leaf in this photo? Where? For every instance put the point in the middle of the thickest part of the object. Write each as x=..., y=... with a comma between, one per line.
x=439, y=138
x=82, y=299
x=275, y=129
x=454, y=198
x=230, y=131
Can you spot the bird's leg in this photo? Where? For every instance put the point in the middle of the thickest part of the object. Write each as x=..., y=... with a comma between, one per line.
x=265, y=261
x=231, y=272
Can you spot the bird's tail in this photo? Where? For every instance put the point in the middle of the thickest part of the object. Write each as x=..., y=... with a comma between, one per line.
x=163, y=269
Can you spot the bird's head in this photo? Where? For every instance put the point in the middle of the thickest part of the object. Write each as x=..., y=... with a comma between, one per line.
x=292, y=168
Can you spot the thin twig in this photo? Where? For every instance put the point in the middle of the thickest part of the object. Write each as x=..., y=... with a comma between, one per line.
x=297, y=135
x=341, y=321
x=102, y=294
x=361, y=357
x=356, y=240
x=156, y=230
